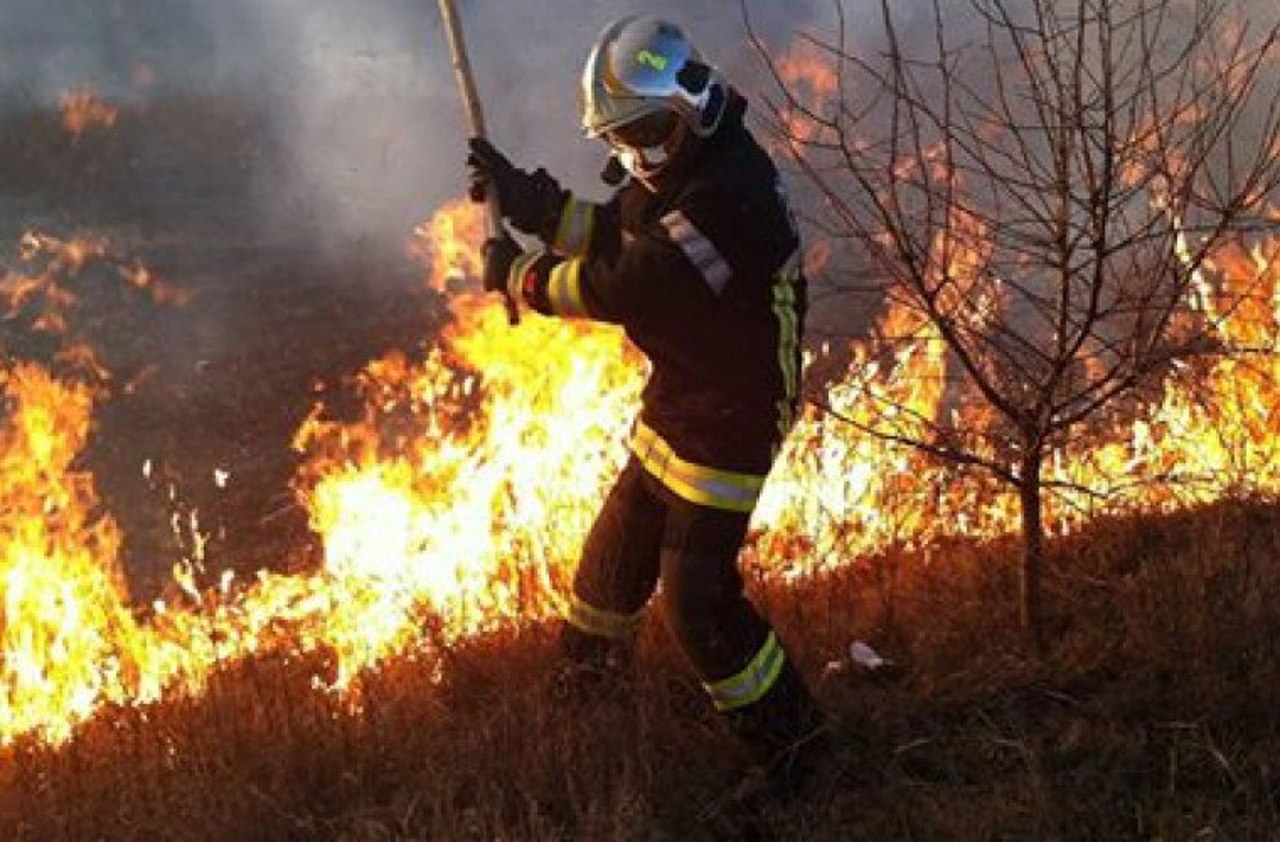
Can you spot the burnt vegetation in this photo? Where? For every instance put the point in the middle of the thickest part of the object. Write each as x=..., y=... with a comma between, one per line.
x=1147, y=713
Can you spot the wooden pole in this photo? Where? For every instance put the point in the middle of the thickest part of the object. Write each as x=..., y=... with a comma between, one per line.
x=475, y=119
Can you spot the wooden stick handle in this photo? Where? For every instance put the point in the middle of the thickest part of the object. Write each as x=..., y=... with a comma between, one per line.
x=475, y=119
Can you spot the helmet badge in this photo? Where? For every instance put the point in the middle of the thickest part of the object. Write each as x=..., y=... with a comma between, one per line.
x=651, y=59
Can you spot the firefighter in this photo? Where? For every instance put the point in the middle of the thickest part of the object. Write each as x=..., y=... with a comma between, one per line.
x=698, y=258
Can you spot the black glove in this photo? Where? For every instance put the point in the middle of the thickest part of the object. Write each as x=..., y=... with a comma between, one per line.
x=614, y=173
x=499, y=253
x=533, y=203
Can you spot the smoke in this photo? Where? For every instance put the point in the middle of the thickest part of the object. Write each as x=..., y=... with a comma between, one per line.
x=358, y=99
x=373, y=116
x=365, y=127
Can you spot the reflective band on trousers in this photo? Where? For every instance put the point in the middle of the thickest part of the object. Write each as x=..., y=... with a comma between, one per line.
x=573, y=234
x=564, y=289
x=695, y=483
x=702, y=253
x=750, y=685
x=598, y=621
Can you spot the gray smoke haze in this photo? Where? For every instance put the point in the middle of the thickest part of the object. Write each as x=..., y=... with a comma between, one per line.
x=360, y=97
x=366, y=127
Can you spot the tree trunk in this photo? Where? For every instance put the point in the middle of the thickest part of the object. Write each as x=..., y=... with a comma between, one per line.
x=1029, y=497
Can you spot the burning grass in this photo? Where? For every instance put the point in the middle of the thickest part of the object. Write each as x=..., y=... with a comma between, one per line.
x=399, y=688
x=1152, y=717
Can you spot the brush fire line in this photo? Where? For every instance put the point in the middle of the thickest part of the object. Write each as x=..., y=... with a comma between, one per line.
x=461, y=497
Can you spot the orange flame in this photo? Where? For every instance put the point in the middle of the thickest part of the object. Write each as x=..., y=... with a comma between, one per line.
x=811, y=80
x=454, y=506
x=444, y=243
x=83, y=109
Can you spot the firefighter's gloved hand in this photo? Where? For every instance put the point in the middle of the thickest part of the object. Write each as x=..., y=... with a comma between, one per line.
x=499, y=255
x=533, y=202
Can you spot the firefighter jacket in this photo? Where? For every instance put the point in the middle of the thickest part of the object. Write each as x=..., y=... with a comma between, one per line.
x=704, y=275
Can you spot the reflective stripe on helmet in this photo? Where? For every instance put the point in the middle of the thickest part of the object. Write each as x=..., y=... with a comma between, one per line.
x=573, y=234
x=698, y=484
x=599, y=622
x=786, y=309
x=702, y=253
x=754, y=681
x=564, y=289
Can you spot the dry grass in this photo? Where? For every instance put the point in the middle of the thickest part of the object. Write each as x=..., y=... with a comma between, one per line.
x=1152, y=718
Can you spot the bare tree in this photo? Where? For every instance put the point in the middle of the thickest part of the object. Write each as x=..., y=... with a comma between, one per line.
x=1042, y=185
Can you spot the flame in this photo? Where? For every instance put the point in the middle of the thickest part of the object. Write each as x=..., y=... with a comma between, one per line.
x=83, y=109
x=458, y=501
x=471, y=481
x=454, y=506
x=62, y=612
x=812, y=84
x=445, y=243
x=56, y=260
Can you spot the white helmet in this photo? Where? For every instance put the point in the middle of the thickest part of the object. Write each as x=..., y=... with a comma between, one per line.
x=641, y=67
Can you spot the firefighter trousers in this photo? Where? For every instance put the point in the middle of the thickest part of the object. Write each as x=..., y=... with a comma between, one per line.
x=644, y=534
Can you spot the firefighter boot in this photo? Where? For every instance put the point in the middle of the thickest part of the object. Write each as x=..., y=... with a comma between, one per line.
x=590, y=667
x=787, y=736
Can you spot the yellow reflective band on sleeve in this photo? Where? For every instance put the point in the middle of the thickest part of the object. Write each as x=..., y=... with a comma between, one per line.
x=757, y=679
x=564, y=289
x=577, y=223
x=515, y=275
x=784, y=307
x=599, y=622
x=696, y=483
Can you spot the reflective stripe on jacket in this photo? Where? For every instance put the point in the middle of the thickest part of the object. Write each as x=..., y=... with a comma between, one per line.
x=704, y=275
